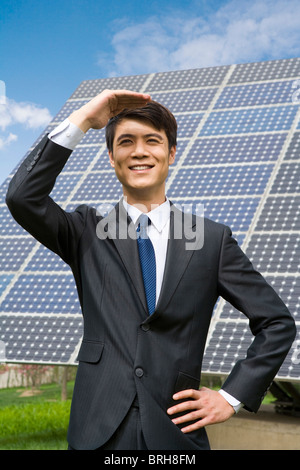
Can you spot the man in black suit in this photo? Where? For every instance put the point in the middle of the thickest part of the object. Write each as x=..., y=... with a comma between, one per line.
x=137, y=384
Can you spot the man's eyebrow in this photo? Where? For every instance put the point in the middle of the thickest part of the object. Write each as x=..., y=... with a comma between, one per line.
x=152, y=134
x=123, y=136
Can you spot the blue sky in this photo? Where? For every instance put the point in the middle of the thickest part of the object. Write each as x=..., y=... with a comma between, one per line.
x=48, y=47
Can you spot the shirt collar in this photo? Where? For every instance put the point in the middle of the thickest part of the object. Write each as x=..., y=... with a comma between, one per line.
x=158, y=216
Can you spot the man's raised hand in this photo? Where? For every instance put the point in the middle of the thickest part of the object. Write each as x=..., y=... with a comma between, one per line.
x=97, y=112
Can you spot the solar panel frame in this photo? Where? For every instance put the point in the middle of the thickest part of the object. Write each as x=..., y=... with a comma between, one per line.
x=238, y=143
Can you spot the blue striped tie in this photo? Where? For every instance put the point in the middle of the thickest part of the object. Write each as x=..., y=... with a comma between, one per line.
x=147, y=259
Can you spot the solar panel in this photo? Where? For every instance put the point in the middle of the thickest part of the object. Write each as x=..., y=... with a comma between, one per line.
x=238, y=154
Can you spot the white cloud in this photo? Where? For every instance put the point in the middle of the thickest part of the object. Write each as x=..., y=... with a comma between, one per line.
x=28, y=115
x=7, y=140
x=238, y=32
x=140, y=47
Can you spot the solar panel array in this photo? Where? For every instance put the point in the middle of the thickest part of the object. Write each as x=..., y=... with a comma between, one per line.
x=238, y=154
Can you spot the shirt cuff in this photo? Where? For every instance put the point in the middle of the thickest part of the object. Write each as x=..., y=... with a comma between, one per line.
x=236, y=404
x=67, y=135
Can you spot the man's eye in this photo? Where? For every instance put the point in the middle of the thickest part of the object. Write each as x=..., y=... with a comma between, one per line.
x=125, y=141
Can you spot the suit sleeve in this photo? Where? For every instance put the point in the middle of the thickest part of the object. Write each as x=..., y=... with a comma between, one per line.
x=269, y=319
x=31, y=206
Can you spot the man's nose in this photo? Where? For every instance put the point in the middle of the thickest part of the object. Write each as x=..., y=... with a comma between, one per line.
x=140, y=150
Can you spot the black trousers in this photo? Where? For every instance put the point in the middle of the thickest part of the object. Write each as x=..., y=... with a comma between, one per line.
x=129, y=434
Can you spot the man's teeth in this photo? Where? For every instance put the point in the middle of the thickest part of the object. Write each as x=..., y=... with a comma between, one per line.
x=140, y=167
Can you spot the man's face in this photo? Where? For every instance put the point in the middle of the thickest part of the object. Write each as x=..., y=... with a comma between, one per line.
x=141, y=158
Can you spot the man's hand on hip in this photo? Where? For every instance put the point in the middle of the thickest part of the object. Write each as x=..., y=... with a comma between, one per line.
x=205, y=407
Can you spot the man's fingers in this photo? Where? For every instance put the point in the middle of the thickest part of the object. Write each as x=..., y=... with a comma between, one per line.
x=186, y=405
x=96, y=113
x=188, y=393
x=205, y=407
x=196, y=414
x=127, y=99
x=193, y=427
x=126, y=96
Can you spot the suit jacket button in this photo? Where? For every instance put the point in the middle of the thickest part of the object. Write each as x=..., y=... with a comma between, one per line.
x=139, y=372
x=146, y=327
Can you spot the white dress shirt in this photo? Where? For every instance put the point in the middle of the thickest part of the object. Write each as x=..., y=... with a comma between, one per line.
x=69, y=135
x=158, y=232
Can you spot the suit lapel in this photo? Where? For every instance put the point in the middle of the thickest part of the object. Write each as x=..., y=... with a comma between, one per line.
x=121, y=230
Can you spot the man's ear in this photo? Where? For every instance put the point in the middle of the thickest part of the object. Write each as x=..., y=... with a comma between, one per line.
x=172, y=155
x=111, y=158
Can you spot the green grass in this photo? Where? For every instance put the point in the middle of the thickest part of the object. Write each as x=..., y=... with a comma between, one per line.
x=40, y=421
x=37, y=422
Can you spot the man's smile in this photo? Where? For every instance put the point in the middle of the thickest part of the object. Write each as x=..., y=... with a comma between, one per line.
x=141, y=167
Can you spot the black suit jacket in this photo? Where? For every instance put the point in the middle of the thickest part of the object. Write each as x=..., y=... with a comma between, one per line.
x=125, y=352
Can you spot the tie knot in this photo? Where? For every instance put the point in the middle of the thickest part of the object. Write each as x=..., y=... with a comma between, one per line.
x=144, y=221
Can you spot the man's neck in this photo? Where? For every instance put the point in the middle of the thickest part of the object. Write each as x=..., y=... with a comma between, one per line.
x=144, y=203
